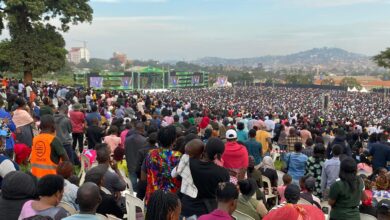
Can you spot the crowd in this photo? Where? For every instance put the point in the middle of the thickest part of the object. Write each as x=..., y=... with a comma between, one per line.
x=241, y=152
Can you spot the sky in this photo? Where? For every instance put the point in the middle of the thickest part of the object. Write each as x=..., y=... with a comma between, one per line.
x=191, y=29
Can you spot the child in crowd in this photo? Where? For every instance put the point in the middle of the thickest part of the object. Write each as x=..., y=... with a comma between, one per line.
x=193, y=149
x=119, y=154
x=287, y=179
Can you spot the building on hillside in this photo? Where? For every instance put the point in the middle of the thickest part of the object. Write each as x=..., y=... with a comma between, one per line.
x=77, y=54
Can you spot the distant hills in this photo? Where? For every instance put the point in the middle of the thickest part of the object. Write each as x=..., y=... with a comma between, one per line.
x=327, y=58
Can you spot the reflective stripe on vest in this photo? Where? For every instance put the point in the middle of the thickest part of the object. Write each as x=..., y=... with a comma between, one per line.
x=45, y=167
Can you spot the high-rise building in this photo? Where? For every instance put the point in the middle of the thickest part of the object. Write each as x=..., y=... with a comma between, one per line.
x=77, y=54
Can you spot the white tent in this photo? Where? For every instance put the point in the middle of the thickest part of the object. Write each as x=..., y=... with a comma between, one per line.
x=364, y=90
x=354, y=89
x=349, y=89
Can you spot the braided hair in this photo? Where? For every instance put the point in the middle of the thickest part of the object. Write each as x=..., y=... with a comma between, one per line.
x=161, y=204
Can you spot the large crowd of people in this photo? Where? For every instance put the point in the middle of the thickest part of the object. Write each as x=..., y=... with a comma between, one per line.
x=217, y=153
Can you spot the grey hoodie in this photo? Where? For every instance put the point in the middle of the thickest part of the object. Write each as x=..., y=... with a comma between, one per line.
x=63, y=128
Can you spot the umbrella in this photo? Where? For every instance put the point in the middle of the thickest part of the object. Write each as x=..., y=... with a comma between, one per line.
x=296, y=212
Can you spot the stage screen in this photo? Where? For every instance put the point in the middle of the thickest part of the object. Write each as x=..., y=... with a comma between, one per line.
x=221, y=80
x=151, y=80
x=96, y=82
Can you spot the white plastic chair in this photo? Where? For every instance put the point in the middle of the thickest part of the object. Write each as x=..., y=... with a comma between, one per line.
x=241, y=216
x=280, y=177
x=325, y=204
x=129, y=186
x=105, y=190
x=132, y=203
x=366, y=217
x=68, y=207
x=101, y=217
x=270, y=194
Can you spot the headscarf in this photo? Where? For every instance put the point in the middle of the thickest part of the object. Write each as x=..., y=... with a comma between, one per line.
x=21, y=118
x=267, y=163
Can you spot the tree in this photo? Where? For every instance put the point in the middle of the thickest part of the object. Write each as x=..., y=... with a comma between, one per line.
x=383, y=58
x=350, y=82
x=35, y=45
x=328, y=82
x=299, y=79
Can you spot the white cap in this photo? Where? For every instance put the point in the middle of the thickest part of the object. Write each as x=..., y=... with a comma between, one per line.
x=231, y=134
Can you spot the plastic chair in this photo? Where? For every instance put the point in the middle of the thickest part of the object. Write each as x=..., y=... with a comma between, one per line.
x=129, y=186
x=100, y=216
x=84, y=160
x=68, y=207
x=280, y=177
x=325, y=204
x=241, y=216
x=132, y=203
x=270, y=194
x=105, y=190
x=366, y=217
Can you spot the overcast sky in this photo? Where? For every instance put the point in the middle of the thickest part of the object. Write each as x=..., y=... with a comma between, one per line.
x=190, y=29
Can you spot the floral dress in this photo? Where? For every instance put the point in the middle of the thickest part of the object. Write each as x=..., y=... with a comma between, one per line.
x=314, y=168
x=159, y=164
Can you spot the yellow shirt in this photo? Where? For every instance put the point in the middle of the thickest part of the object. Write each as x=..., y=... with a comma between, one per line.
x=261, y=136
x=122, y=165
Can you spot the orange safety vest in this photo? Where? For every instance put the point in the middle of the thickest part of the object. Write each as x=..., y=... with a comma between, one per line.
x=41, y=163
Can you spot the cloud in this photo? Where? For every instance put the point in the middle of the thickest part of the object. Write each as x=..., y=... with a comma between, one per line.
x=334, y=3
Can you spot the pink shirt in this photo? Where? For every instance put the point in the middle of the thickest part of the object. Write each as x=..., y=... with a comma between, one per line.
x=123, y=136
x=77, y=120
x=280, y=190
x=216, y=215
x=112, y=141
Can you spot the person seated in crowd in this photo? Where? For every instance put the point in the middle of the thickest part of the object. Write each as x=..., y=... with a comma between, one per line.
x=345, y=194
x=22, y=153
x=163, y=206
x=307, y=184
x=88, y=199
x=65, y=169
x=112, y=139
x=50, y=189
x=383, y=209
x=113, y=180
x=292, y=195
x=227, y=197
x=246, y=203
x=235, y=156
x=367, y=204
x=330, y=171
x=6, y=166
x=257, y=177
x=108, y=203
x=281, y=189
x=193, y=149
x=17, y=188
x=267, y=168
x=119, y=154
x=296, y=163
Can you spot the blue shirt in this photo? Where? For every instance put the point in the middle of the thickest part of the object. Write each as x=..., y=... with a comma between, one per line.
x=91, y=116
x=254, y=149
x=82, y=217
x=330, y=172
x=242, y=135
x=296, y=165
x=5, y=114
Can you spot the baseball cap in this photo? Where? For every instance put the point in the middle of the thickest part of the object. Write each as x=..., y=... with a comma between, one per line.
x=231, y=134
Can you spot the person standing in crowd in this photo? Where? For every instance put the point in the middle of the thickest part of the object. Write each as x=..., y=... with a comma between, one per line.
x=345, y=194
x=46, y=109
x=93, y=114
x=314, y=167
x=94, y=134
x=159, y=164
x=64, y=130
x=112, y=139
x=296, y=163
x=254, y=148
x=163, y=206
x=227, y=197
x=88, y=198
x=135, y=140
x=305, y=134
x=23, y=123
x=47, y=150
x=330, y=171
x=340, y=139
x=264, y=138
x=235, y=156
x=50, y=189
x=77, y=119
x=292, y=138
x=242, y=135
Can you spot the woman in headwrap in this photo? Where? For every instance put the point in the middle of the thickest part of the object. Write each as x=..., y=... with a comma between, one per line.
x=267, y=168
x=23, y=123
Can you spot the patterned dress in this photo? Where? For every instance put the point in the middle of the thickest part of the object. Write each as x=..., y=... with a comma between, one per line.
x=314, y=168
x=159, y=164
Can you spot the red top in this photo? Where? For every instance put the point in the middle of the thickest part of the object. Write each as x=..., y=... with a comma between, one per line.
x=368, y=201
x=235, y=156
x=77, y=119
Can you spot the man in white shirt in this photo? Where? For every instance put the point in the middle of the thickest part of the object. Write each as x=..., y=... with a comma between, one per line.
x=28, y=91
